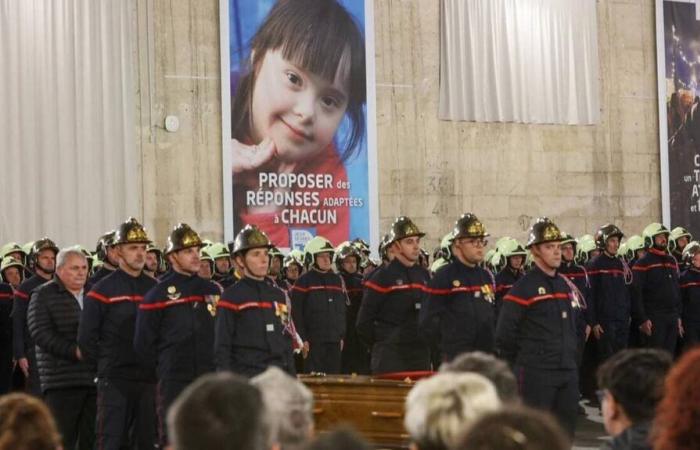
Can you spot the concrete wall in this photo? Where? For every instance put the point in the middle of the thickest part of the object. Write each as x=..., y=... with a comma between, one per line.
x=431, y=170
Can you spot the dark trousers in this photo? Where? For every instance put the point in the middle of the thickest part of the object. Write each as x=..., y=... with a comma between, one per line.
x=664, y=333
x=389, y=357
x=323, y=357
x=692, y=334
x=615, y=338
x=553, y=390
x=74, y=410
x=355, y=358
x=167, y=392
x=5, y=366
x=126, y=415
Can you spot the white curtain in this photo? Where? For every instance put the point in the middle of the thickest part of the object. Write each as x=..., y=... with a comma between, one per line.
x=70, y=167
x=533, y=61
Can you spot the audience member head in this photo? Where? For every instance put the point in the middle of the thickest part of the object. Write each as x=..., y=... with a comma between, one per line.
x=26, y=424
x=439, y=408
x=289, y=406
x=676, y=423
x=341, y=439
x=219, y=411
x=632, y=383
x=492, y=368
x=516, y=429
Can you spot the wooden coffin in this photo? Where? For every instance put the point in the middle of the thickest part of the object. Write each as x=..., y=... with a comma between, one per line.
x=373, y=407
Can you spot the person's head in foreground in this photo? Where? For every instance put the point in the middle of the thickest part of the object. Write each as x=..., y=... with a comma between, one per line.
x=219, y=411
x=440, y=408
x=27, y=424
x=340, y=439
x=494, y=369
x=677, y=416
x=516, y=429
x=289, y=407
x=630, y=386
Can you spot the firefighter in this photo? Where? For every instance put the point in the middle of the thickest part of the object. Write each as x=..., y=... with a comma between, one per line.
x=43, y=258
x=388, y=318
x=690, y=294
x=579, y=278
x=355, y=355
x=252, y=325
x=657, y=291
x=175, y=322
x=222, y=264
x=586, y=249
x=677, y=241
x=512, y=259
x=634, y=249
x=6, y=295
x=292, y=268
x=536, y=330
x=11, y=271
x=154, y=261
x=125, y=385
x=460, y=311
x=108, y=255
x=609, y=306
x=319, y=304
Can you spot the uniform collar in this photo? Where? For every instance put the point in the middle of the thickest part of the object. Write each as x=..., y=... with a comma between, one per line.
x=656, y=251
x=537, y=269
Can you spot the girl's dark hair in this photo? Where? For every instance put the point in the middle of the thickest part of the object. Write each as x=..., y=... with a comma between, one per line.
x=313, y=35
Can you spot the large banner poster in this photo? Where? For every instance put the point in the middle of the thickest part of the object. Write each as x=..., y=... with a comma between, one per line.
x=678, y=59
x=299, y=149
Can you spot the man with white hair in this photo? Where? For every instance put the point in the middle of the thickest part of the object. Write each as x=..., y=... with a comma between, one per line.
x=441, y=408
x=67, y=382
x=289, y=407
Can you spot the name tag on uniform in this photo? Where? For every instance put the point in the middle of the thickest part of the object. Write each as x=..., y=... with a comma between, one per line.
x=270, y=327
x=564, y=315
x=417, y=305
x=330, y=300
x=477, y=294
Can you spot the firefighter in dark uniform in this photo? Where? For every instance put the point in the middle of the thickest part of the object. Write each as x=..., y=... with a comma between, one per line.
x=657, y=294
x=276, y=265
x=12, y=271
x=252, y=323
x=6, y=296
x=175, y=322
x=536, y=331
x=460, y=311
x=125, y=385
x=43, y=259
x=690, y=295
x=222, y=264
x=154, y=267
x=319, y=305
x=108, y=255
x=678, y=239
x=292, y=268
x=394, y=294
x=355, y=356
x=579, y=277
x=609, y=305
x=513, y=259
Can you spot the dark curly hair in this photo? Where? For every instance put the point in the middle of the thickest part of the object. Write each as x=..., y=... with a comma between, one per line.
x=678, y=415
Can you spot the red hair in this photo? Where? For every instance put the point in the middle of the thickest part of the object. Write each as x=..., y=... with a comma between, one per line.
x=677, y=423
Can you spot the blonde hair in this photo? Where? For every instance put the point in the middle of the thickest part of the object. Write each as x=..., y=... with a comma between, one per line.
x=26, y=424
x=439, y=409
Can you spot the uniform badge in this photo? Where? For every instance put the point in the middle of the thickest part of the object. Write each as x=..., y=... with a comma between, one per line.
x=489, y=295
x=212, y=301
x=456, y=283
x=173, y=294
x=477, y=294
x=281, y=312
x=541, y=290
x=399, y=282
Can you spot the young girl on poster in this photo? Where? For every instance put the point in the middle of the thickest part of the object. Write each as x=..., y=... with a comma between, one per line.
x=306, y=74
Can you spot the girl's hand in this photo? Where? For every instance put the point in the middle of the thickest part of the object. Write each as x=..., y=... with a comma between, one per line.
x=250, y=157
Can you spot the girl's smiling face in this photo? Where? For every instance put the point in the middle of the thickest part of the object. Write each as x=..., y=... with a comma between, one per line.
x=298, y=110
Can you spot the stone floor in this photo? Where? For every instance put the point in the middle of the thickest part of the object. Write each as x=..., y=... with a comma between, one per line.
x=590, y=432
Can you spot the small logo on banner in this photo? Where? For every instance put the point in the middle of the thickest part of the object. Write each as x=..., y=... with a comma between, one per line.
x=298, y=237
